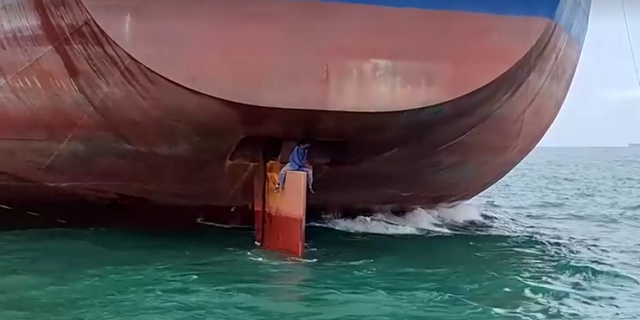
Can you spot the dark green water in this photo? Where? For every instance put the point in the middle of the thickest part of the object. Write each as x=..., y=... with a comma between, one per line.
x=557, y=239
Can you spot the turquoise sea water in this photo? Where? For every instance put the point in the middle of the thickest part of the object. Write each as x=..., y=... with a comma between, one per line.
x=559, y=238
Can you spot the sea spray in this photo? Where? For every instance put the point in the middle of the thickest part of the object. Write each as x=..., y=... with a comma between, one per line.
x=443, y=219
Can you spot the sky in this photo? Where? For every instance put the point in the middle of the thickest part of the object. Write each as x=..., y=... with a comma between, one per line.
x=602, y=107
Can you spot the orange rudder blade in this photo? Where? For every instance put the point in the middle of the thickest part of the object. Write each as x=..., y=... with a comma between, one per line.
x=280, y=226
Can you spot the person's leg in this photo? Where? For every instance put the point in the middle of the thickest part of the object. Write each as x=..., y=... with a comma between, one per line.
x=282, y=175
x=309, y=172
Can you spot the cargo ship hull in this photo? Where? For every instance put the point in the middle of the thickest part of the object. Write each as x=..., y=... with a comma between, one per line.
x=141, y=113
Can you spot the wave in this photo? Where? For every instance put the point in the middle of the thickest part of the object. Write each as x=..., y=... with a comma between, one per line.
x=632, y=208
x=443, y=219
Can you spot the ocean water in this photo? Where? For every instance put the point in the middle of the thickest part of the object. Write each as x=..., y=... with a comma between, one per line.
x=558, y=238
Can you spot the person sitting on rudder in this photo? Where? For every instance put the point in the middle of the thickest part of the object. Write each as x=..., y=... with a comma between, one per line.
x=297, y=162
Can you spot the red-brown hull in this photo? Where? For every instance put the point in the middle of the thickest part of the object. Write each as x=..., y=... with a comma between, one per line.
x=100, y=129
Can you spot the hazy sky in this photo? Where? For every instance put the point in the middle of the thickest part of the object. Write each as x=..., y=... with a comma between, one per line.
x=603, y=104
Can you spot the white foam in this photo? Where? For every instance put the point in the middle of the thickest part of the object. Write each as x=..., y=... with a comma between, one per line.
x=370, y=225
x=418, y=221
x=460, y=212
